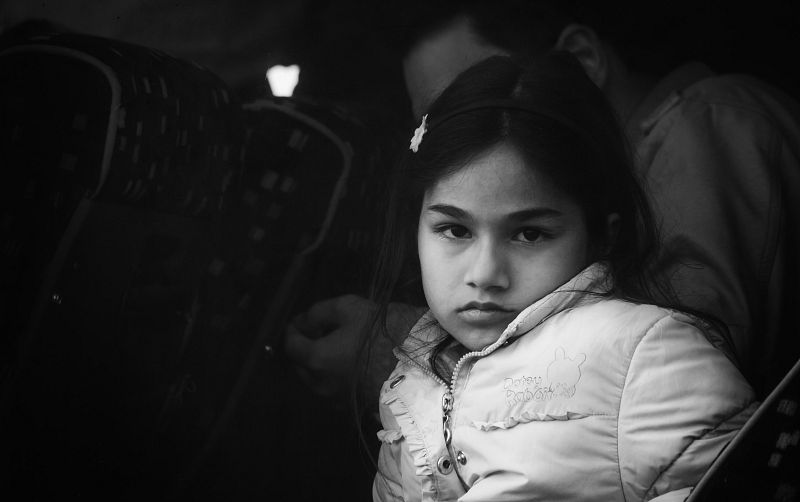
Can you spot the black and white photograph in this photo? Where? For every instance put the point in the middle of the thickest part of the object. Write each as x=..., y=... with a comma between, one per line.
x=399, y=250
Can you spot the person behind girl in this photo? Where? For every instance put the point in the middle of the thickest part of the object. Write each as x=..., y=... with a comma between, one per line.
x=543, y=369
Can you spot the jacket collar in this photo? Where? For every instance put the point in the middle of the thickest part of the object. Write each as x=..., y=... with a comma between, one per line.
x=663, y=96
x=582, y=289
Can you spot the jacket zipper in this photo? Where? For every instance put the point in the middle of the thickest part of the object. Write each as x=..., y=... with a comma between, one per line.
x=447, y=401
x=447, y=397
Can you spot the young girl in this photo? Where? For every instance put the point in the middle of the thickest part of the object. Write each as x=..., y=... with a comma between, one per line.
x=543, y=369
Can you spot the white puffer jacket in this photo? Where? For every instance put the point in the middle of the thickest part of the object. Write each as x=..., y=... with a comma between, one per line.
x=599, y=400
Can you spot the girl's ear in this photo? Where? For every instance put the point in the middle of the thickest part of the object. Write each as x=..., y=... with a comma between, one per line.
x=585, y=45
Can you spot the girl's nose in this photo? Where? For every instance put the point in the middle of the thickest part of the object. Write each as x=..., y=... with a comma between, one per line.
x=488, y=268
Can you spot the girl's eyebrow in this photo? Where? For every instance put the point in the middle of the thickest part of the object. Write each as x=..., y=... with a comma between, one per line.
x=533, y=213
x=522, y=215
x=448, y=210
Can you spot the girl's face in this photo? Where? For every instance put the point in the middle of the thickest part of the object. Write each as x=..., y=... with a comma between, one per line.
x=493, y=238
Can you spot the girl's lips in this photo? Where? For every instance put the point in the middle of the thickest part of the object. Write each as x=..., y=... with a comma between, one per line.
x=483, y=306
x=484, y=315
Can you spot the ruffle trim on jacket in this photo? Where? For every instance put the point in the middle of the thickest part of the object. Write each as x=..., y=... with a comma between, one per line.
x=527, y=417
x=389, y=436
x=415, y=443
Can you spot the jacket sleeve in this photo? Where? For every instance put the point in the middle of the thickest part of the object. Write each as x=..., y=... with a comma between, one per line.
x=674, y=496
x=387, y=484
x=682, y=402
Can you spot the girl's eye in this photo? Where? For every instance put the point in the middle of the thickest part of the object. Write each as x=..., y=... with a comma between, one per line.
x=529, y=235
x=453, y=232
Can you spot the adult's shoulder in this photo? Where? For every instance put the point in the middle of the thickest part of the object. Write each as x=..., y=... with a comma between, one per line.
x=719, y=131
x=741, y=96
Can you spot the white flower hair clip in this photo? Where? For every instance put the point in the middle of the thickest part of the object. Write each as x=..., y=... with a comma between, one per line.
x=419, y=132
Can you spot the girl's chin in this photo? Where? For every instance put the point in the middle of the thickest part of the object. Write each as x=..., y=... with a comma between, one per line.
x=478, y=339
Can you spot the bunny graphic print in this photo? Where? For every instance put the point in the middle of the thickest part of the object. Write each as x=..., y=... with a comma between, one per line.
x=564, y=373
x=560, y=380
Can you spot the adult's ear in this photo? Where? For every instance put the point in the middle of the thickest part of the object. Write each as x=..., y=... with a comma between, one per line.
x=584, y=43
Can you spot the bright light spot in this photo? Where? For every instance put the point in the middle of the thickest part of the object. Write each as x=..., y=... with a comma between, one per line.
x=283, y=79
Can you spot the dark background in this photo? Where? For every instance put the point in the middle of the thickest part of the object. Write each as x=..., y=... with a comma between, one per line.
x=341, y=46
x=345, y=47
x=347, y=51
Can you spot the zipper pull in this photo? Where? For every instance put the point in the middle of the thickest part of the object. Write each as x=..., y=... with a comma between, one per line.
x=447, y=407
x=447, y=402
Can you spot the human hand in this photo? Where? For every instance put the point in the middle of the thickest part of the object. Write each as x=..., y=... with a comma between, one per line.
x=323, y=342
